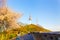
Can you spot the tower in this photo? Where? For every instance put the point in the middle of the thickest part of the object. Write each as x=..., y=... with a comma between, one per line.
x=30, y=19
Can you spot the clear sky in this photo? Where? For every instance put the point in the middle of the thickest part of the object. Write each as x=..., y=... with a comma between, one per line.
x=46, y=11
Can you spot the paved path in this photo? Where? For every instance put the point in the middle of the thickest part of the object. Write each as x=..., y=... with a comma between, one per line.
x=25, y=37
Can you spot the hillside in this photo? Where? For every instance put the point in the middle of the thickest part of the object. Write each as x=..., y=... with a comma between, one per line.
x=33, y=28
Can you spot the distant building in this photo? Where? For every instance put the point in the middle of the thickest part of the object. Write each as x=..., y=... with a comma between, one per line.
x=41, y=36
x=47, y=36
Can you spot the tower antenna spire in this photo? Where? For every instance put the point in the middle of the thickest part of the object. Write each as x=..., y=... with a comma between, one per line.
x=30, y=18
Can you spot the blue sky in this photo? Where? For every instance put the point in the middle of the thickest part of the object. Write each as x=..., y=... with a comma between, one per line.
x=46, y=11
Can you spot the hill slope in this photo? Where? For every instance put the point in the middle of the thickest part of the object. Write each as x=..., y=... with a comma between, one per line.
x=33, y=28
